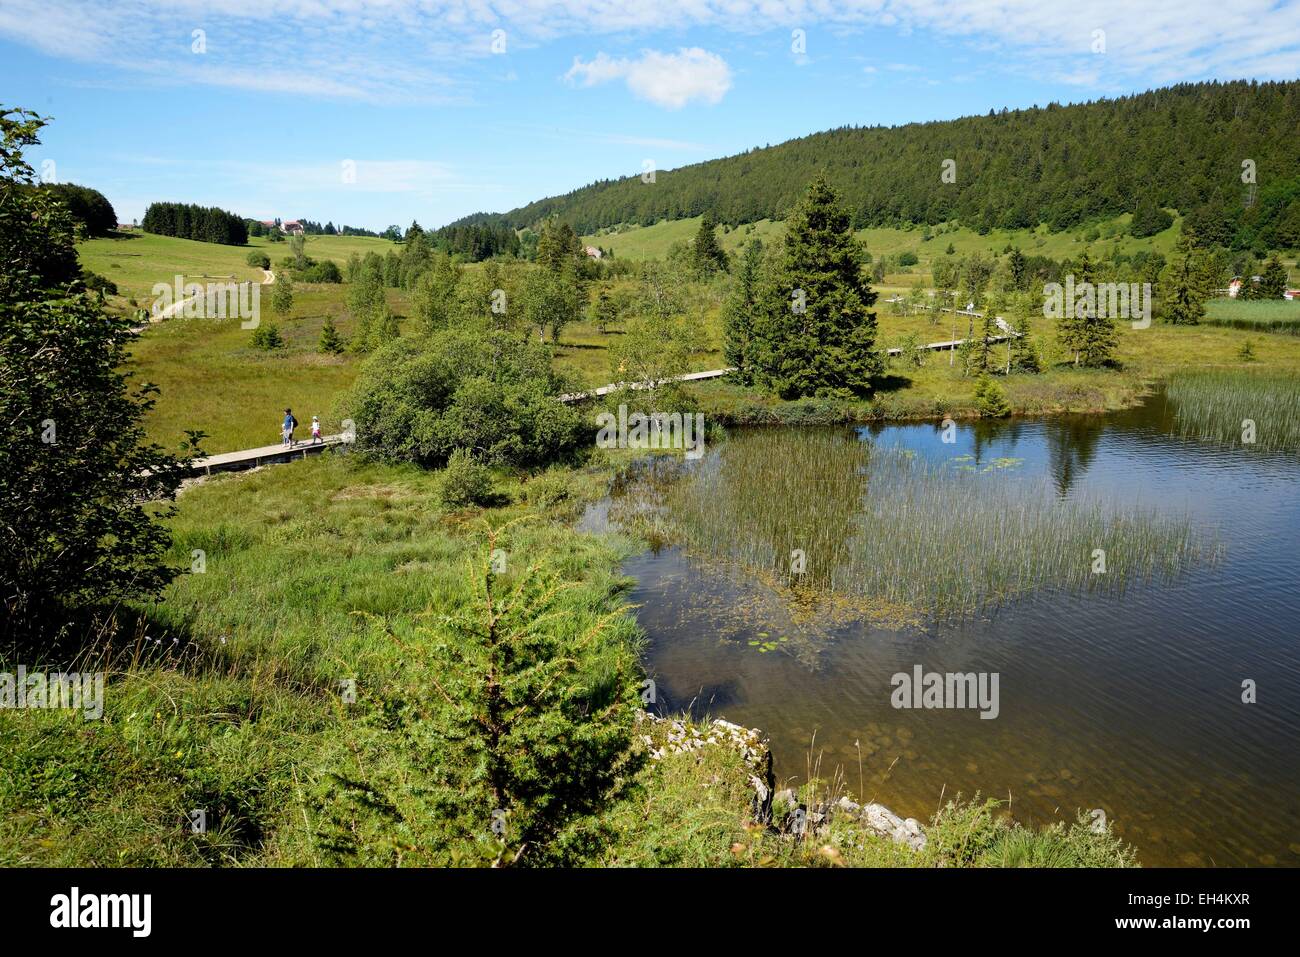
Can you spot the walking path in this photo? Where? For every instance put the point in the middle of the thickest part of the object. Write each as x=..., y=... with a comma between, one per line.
x=251, y=458
x=278, y=453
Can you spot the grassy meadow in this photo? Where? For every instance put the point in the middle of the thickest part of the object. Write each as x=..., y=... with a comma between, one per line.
x=214, y=380
x=653, y=242
x=1255, y=315
x=227, y=696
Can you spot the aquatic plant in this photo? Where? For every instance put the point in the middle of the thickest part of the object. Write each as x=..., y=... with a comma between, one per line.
x=830, y=512
x=1259, y=410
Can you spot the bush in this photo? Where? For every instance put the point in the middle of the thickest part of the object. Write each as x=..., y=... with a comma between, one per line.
x=548, y=489
x=97, y=283
x=259, y=260
x=990, y=399
x=465, y=482
x=267, y=337
x=326, y=271
x=492, y=392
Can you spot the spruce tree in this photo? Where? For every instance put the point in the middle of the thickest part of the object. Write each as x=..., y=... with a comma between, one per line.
x=708, y=256
x=1024, y=354
x=815, y=332
x=330, y=343
x=1184, y=301
x=738, y=313
x=1272, y=284
x=1069, y=327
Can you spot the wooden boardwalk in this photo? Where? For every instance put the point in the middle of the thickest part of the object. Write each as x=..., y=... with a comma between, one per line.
x=251, y=458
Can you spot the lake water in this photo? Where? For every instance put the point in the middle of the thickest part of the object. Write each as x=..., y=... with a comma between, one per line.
x=1131, y=704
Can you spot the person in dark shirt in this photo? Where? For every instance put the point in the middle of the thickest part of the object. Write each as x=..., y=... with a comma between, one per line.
x=290, y=423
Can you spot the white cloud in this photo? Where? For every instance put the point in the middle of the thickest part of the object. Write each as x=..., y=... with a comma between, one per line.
x=382, y=50
x=670, y=80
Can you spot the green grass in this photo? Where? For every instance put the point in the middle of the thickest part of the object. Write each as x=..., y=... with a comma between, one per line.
x=225, y=697
x=1225, y=406
x=213, y=379
x=1255, y=315
x=137, y=260
x=653, y=242
x=882, y=526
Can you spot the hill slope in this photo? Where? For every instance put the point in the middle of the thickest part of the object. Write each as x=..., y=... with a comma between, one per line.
x=1181, y=147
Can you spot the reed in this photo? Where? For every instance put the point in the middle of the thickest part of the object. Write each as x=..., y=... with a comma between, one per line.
x=883, y=525
x=1233, y=407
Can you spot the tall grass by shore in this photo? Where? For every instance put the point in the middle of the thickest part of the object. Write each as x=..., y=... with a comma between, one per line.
x=1255, y=315
x=881, y=524
x=1259, y=410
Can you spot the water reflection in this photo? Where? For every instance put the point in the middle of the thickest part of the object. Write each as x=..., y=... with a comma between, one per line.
x=1130, y=703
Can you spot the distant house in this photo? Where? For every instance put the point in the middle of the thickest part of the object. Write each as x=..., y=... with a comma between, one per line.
x=592, y=252
x=1234, y=288
x=1291, y=294
x=292, y=227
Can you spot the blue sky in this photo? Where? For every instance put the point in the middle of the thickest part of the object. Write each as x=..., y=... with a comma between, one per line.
x=275, y=103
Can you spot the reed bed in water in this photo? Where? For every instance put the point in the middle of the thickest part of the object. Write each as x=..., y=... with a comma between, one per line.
x=882, y=524
x=1217, y=405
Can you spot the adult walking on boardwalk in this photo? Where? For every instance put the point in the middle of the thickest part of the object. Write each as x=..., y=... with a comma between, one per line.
x=290, y=423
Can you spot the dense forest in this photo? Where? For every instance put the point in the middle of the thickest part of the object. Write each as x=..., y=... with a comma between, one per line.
x=1182, y=148
x=187, y=221
x=87, y=206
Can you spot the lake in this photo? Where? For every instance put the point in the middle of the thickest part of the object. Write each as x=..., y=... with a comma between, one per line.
x=1131, y=703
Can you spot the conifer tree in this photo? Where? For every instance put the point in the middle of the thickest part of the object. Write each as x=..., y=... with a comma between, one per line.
x=816, y=333
x=282, y=294
x=1184, y=302
x=708, y=256
x=1272, y=284
x=330, y=343
x=738, y=313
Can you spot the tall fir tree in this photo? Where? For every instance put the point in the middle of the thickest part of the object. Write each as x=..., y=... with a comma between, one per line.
x=708, y=256
x=738, y=313
x=815, y=332
x=1185, y=294
x=1069, y=327
x=1272, y=283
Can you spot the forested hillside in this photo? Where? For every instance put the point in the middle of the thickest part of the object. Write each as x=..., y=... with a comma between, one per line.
x=1182, y=147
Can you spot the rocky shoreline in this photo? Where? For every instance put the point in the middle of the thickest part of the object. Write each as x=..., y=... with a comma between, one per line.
x=783, y=811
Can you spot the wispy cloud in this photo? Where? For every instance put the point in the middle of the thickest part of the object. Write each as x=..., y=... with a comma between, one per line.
x=420, y=49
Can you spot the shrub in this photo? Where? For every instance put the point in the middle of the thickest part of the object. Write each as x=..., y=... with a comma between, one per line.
x=492, y=392
x=330, y=342
x=548, y=489
x=267, y=337
x=326, y=271
x=465, y=482
x=990, y=399
x=97, y=283
x=258, y=259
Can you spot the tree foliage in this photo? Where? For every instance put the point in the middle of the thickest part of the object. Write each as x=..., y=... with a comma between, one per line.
x=815, y=333
x=78, y=483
